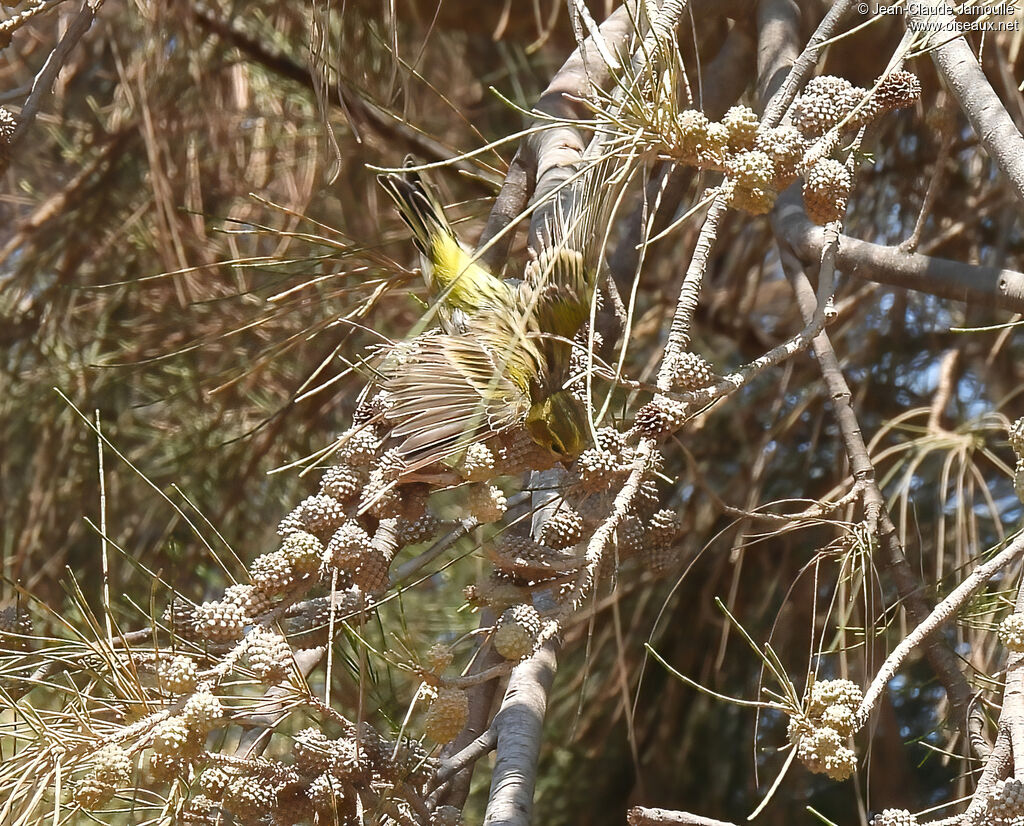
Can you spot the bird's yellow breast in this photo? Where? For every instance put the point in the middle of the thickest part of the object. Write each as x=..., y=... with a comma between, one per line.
x=464, y=284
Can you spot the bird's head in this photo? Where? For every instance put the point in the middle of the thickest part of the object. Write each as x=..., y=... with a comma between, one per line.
x=559, y=424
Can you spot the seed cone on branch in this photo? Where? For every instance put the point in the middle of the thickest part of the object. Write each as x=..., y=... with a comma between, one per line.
x=1011, y=632
x=180, y=616
x=894, y=817
x=478, y=463
x=823, y=752
x=827, y=188
x=220, y=622
x=303, y=551
x=319, y=515
x=517, y=632
x=691, y=371
x=563, y=529
x=249, y=797
x=1007, y=799
x=360, y=445
x=418, y=530
x=202, y=711
x=447, y=714
x=819, y=733
x=112, y=763
x=741, y=122
x=91, y=792
x=690, y=140
x=825, y=693
x=346, y=549
x=484, y=503
x=439, y=656
x=341, y=482
x=660, y=417
x=825, y=101
x=786, y=146
x=659, y=552
x=268, y=654
x=253, y=600
x=311, y=749
x=171, y=737
x=899, y=90
x=273, y=573
x=752, y=174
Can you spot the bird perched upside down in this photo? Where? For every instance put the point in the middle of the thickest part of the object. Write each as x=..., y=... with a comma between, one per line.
x=501, y=354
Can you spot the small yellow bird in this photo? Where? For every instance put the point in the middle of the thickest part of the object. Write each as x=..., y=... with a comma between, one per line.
x=501, y=355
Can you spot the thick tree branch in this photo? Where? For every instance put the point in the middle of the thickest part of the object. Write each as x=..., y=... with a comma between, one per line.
x=802, y=68
x=546, y=150
x=1007, y=751
x=972, y=283
x=997, y=766
x=777, y=21
x=518, y=726
x=642, y=816
x=457, y=764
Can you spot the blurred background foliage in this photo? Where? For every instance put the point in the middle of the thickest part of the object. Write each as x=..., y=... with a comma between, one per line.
x=192, y=244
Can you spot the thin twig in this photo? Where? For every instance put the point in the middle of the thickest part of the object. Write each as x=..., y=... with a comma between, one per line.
x=642, y=816
x=940, y=615
x=964, y=77
x=47, y=75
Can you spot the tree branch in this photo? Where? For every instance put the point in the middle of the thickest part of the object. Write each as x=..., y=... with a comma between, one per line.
x=518, y=725
x=976, y=284
x=642, y=816
x=960, y=69
x=801, y=69
x=938, y=617
x=44, y=81
x=941, y=658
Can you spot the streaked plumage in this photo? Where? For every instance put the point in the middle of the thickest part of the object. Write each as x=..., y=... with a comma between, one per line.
x=502, y=352
x=451, y=391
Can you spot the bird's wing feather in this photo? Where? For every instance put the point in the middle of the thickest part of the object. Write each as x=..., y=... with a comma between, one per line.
x=559, y=283
x=447, y=394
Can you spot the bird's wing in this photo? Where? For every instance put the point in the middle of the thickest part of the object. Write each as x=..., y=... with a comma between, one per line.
x=448, y=392
x=556, y=291
x=559, y=283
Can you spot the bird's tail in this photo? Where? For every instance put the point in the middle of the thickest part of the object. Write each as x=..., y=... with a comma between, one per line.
x=451, y=273
x=419, y=208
